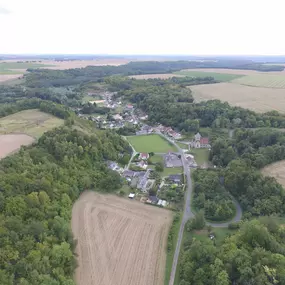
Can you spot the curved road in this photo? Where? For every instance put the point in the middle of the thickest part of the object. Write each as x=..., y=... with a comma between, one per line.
x=187, y=214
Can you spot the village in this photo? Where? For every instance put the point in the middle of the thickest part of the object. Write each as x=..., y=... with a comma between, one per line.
x=151, y=177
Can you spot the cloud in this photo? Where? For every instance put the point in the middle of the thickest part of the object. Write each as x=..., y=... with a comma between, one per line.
x=4, y=11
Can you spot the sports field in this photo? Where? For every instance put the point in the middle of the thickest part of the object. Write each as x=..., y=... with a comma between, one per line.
x=205, y=73
x=258, y=99
x=31, y=122
x=151, y=143
x=119, y=241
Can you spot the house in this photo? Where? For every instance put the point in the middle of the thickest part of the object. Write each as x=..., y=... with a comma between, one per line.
x=128, y=173
x=152, y=200
x=142, y=164
x=172, y=160
x=118, y=117
x=144, y=156
x=176, y=178
x=200, y=142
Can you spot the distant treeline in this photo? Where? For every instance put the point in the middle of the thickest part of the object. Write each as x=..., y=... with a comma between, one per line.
x=56, y=78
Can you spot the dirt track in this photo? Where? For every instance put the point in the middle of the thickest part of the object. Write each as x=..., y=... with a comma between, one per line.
x=120, y=241
x=11, y=143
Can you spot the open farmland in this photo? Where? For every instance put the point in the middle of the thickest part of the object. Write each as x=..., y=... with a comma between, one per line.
x=254, y=98
x=153, y=76
x=276, y=170
x=120, y=241
x=30, y=122
x=263, y=80
x=150, y=143
x=206, y=73
x=232, y=71
x=11, y=143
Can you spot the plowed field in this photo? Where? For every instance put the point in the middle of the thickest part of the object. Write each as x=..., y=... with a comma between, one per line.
x=120, y=241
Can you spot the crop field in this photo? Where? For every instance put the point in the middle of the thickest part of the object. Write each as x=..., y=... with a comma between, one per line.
x=254, y=98
x=11, y=143
x=31, y=122
x=205, y=72
x=119, y=241
x=263, y=80
x=159, y=76
x=276, y=170
x=151, y=143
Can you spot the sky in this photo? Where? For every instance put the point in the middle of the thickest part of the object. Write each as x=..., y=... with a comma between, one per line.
x=177, y=27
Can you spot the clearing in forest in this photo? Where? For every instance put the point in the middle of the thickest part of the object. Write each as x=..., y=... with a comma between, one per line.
x=276, y=170
x=151, y=143
x=119, y=241
x=31, y=122
x=254, y=98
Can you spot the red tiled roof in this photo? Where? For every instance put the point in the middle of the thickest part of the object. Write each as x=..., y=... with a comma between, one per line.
x=204, y=140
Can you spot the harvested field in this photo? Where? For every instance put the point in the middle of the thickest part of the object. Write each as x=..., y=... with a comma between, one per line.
x=263, y=80
x=159, y=76
x=233, y=71
x=120, y=241
x=30, y=122
x=206, y=73
x=11, y=143
x=7, y=77
x=83, y=63
x=276, y=170
x=254, y=98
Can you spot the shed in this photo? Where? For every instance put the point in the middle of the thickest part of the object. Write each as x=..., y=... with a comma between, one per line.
x=132, y=195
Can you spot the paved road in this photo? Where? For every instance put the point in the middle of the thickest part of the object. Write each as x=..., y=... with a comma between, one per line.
x=133, y=154
x=187, y=214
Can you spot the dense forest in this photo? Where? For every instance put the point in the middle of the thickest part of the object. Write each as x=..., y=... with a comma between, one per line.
x=170, y=103
x=211, y=196
x=38, y=78
x=255, y=254
x=257, y=147
x=38, y=187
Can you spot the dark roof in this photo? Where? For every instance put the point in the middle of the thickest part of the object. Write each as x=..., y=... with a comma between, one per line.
x=153, y=199
x=175, y=177
x=128, y=173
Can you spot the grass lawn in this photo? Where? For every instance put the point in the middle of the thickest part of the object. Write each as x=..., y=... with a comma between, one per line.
x=201, y=155
x=182, y=145
x=223, y=77
x=151, y=143
x=170, y=254
x=31, y=122
x=156, y=158
x=169, y=171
